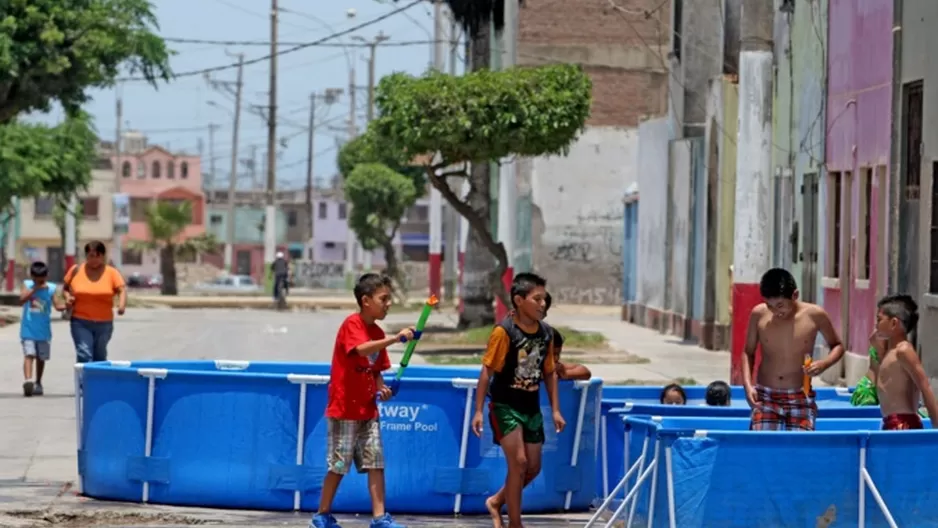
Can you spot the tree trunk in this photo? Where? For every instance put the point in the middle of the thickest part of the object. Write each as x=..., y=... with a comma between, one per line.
x=392, y=269
x=477, y=294
x=168, y=270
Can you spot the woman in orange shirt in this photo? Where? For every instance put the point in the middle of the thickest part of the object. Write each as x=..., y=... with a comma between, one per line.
x=90, y=289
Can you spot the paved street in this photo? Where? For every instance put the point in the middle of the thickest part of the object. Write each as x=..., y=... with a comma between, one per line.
x=37, y=441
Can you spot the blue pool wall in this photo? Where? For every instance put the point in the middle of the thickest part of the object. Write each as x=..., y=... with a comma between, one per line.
x=618, y=401
x=726, y=475
x=224, y=434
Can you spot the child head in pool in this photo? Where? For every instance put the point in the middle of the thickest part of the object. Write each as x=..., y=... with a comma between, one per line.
x=673, y=394
x=718, y=394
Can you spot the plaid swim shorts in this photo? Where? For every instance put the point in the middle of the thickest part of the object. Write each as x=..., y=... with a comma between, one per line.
x=357, y=441
x=783, y=410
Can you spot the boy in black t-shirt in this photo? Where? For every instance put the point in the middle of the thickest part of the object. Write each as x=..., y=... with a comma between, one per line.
x=518, y=357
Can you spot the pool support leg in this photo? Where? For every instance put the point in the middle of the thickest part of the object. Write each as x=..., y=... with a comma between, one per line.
x=633, y=495
x=861, y=499
x=867, y=481
x=79, y=418
x=637, y=483
x=669, y=471
x=626, y=446
x=654, y=487
x=604, y=456
x=151, y=374
x=578, y=433
x=464, y=442
x=300, y=433
x=619, y=487
x=302, y=380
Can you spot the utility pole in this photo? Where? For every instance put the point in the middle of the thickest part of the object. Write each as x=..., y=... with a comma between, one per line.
x=351, y=242
x=252, y=166
x=370, y=110
x=752, y=253
x=270, y=223
x=436, y=199
x=372, y=52
x=310, y=153
x=212, y=127
x=233, y=178
x=116, y=251
x=328, y=97
x=451, y=226
x=507, y=208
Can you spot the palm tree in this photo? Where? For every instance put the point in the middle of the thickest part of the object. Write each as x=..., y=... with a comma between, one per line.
x=166, y=222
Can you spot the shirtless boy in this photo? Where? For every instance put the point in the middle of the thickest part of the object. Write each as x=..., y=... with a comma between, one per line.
x=786, y=328
x=900, y=377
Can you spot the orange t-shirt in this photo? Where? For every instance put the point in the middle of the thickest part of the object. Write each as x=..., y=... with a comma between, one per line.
x=94, y=300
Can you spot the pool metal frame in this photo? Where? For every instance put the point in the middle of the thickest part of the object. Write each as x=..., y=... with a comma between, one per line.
x=303, y=380
x=643, y=471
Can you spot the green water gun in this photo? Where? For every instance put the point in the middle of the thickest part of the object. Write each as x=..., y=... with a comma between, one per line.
x=412, y=343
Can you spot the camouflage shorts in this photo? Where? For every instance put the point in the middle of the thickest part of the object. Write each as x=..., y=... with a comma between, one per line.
x=357, y=441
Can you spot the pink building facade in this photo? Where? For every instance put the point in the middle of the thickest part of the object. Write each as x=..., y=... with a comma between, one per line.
x=157, y=174
x=859, y=111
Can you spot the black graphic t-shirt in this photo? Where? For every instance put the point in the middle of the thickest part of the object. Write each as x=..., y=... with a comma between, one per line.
x=521, y=358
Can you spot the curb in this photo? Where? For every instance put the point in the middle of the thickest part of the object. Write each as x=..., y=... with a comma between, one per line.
x=254, y=304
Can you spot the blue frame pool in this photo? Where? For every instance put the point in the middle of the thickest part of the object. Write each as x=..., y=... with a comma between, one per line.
x=700, y=472
x=226, y=434
x=619, y=401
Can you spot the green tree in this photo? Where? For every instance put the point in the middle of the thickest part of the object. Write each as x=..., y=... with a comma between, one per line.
x=38, y=160
x=478, y=19
x=56, y=50
x=380, y=197
x=166, y=222
x=381, y=186
x=478, y=118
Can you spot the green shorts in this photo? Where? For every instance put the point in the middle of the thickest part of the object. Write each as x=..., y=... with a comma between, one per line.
x=505, y=419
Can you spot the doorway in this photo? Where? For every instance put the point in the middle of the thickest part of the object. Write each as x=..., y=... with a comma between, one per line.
x=809, y=252
x=909, y=200
x=848, y=244
x=243, y=262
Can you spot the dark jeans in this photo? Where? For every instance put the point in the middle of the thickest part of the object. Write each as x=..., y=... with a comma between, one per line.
x=91, y=339
x=281, y=281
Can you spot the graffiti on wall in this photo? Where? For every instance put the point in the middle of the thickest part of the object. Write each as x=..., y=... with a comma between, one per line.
x=310, y=274
x=584, y=262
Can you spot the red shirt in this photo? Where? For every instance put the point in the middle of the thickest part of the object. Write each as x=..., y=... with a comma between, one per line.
x=352, y=387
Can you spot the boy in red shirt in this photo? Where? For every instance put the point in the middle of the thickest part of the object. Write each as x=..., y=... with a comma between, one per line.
x=354, y=432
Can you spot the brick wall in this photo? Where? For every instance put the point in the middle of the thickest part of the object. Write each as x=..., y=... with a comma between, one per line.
x=623, y=52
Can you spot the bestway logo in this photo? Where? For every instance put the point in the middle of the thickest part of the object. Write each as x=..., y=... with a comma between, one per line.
x=402, y=412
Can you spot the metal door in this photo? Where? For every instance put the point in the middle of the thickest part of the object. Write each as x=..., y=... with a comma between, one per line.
x=808, y=256
x=243, y=262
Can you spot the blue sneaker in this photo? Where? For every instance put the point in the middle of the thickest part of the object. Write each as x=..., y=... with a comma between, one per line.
x=385, y=521
x=324, y=520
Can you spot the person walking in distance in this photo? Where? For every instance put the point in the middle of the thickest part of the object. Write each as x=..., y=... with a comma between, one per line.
x=38, y=297
x=90, y=289
x=280, y=269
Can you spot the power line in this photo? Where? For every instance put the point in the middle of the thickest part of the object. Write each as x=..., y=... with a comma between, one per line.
x=298, y=47
x=402, y=43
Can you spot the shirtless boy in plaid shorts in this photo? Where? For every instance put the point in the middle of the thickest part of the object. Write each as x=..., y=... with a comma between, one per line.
x=354, y=432
x=786, y=328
